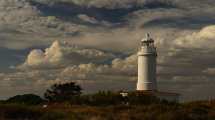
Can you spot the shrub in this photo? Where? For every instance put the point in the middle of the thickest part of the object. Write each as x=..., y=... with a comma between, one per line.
x=28, y=99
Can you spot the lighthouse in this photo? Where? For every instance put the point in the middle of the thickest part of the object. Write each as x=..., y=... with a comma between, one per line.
x=147, y=56
x=147, y=82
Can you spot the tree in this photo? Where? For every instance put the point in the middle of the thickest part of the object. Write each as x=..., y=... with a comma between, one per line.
x=28, y=99
x=63, y=92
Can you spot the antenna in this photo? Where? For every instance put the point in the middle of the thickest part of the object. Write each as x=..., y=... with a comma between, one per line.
x=148, y=36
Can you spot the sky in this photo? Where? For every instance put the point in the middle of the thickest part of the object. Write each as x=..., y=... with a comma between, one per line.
x=94, y=43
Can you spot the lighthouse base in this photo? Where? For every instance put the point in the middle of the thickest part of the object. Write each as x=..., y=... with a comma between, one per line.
x=168, y=96
x=146, y=86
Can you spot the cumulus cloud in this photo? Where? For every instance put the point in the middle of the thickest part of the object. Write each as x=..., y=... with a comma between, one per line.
x=10, y=9
x=119, y=67
x=51, y=56
x=203, y=39
x=189, y=56
x=80, y=63
x=83, y=72
x=63, y=54
x=21, y=20
x=127, y=66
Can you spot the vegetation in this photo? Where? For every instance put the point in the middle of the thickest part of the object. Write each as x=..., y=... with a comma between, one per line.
x=27, y=99
x=100, y=106
x=63, y=111
x=106, y=98
x=63, y=92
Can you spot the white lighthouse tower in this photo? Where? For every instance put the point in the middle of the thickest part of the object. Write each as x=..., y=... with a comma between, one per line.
x=147, y=55
x=147, y=82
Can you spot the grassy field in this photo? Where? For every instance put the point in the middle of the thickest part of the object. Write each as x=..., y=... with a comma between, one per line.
x=202, y=110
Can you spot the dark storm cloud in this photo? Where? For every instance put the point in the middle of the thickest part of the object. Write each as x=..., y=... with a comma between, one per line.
x=102, y=10
x=185, y=22
x=114, y=4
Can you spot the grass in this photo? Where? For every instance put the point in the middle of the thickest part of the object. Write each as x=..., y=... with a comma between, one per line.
x=204, y=110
